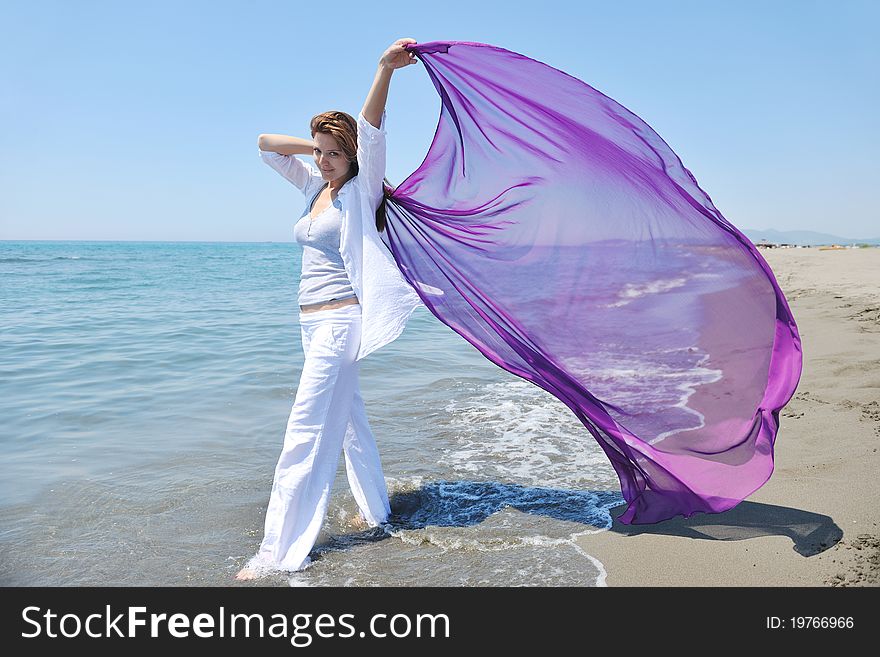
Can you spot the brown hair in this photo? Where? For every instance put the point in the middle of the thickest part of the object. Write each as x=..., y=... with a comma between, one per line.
x=380, y=211
x=343, y=128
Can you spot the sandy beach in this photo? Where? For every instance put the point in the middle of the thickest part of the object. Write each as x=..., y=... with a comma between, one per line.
x=815, y=522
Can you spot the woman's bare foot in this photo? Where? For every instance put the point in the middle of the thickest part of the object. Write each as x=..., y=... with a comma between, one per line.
x=246, y=574
x=358, y=523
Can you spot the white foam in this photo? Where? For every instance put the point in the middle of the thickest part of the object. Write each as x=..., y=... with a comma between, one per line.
x=631, y=291
x=647, y=388
x=515, y=431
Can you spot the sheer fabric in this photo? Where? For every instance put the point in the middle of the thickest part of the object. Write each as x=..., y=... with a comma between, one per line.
x=555, y=231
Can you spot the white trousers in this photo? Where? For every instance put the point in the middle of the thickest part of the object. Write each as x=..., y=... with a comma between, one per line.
x=328, y=417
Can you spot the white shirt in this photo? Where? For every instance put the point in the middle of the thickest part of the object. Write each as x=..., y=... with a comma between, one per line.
x=386, y=299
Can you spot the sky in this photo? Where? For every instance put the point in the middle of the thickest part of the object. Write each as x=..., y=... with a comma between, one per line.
x=139, y=120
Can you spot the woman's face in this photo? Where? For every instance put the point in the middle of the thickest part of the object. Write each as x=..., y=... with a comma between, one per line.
x=329, y=157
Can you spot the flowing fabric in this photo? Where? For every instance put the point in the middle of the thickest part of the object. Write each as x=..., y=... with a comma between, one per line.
x=555, y=231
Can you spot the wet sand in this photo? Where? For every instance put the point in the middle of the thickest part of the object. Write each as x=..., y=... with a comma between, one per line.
x=816, y=522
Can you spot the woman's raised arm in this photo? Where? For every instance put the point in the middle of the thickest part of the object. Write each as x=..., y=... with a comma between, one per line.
x=285, y=145
x=395, y=57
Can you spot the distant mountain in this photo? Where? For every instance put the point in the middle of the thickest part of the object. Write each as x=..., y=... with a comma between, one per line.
x=804, y=237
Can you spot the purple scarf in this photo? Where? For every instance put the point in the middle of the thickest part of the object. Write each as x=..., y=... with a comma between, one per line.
x=555, y=231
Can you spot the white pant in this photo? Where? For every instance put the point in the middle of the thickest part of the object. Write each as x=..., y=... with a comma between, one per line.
x=328, y=417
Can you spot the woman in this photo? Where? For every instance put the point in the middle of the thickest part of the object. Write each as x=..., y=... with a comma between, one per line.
x=353, y=300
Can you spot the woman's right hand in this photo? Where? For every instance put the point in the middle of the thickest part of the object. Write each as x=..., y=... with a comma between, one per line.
x=397, y=56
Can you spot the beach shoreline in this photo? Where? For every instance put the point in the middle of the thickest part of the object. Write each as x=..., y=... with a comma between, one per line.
x=816, y=522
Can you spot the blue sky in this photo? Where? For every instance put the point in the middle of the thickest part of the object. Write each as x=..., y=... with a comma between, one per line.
x=139, y=120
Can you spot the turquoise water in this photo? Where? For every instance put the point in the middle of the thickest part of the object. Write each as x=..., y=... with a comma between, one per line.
x=144, y=390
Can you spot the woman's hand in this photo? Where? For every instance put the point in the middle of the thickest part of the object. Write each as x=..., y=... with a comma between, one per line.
x=397, y=56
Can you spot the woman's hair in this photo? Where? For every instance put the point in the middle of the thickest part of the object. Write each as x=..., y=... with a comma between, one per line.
x=380, y=211
x=343, y=128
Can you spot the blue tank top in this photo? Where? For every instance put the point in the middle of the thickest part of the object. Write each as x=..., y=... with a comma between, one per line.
x=323, y=276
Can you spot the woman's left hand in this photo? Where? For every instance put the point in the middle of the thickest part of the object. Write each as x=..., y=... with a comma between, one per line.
x=397, y=56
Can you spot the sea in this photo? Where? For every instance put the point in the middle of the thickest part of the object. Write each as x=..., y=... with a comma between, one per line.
x=144, y=393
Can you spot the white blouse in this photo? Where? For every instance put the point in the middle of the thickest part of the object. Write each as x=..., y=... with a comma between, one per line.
x=386, y=299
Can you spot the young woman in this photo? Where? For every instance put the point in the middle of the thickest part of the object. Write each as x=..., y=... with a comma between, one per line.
x=353, y=299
